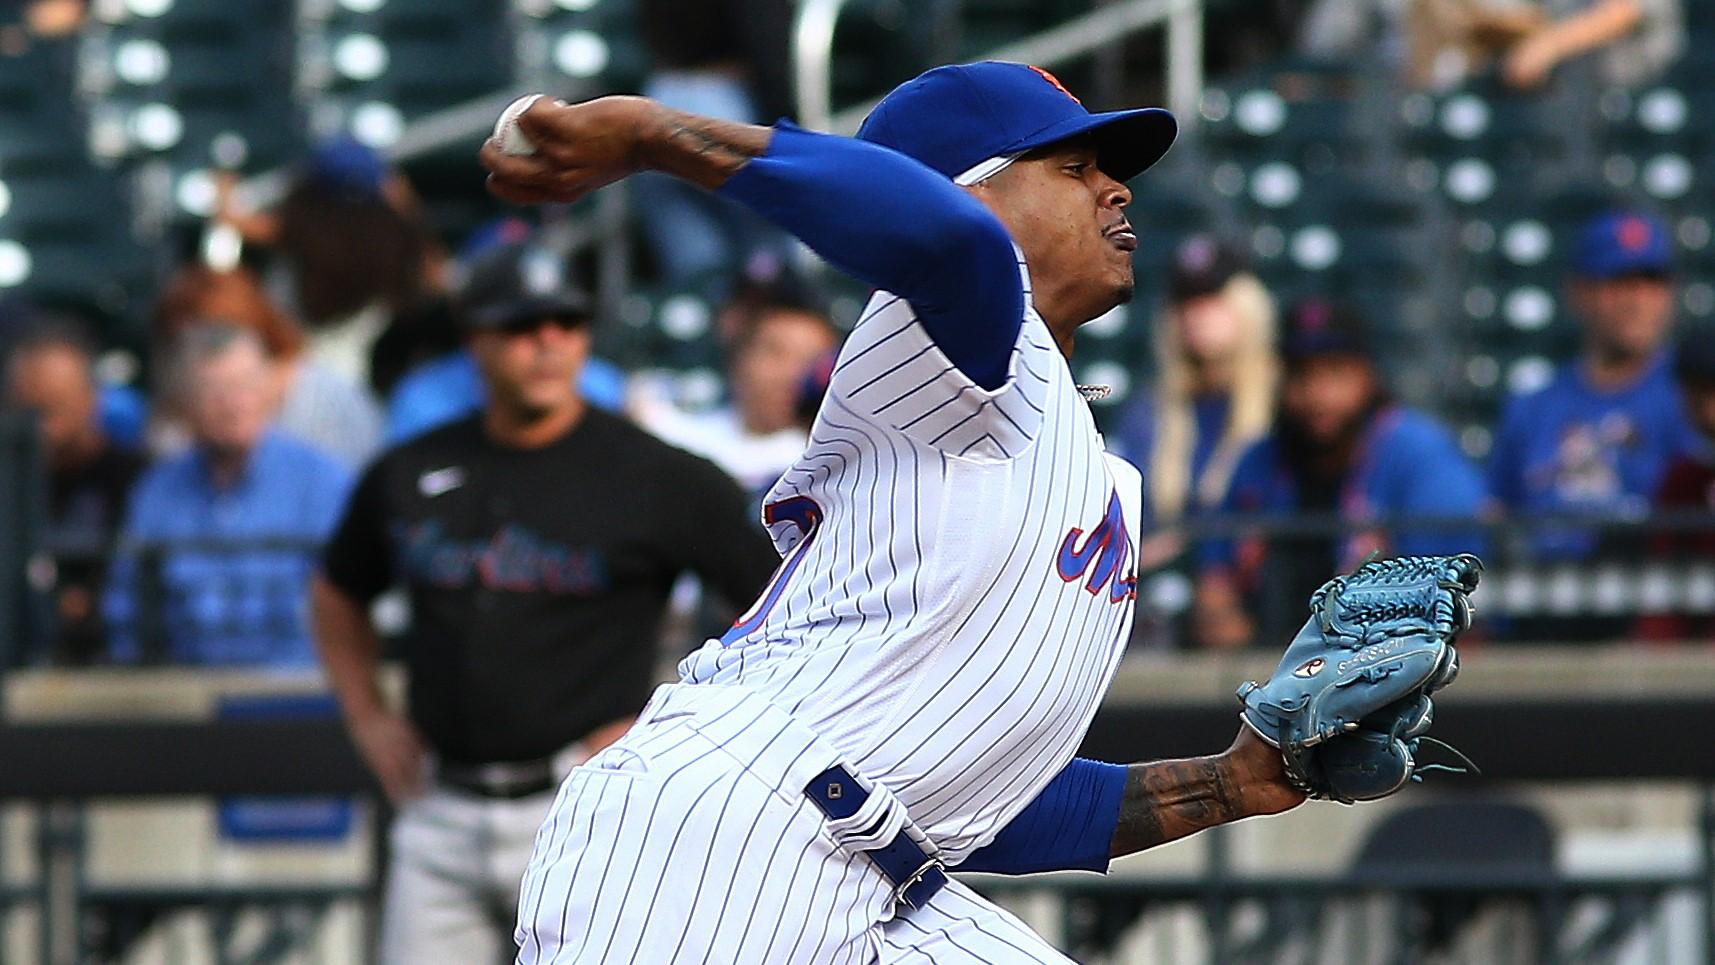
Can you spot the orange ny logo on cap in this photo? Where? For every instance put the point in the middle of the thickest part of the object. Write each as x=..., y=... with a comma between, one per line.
x=1634, y=233
x=1050, y=78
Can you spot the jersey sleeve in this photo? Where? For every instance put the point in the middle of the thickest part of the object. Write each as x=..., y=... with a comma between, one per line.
x=1068, y=827
x=358, y=558
x=904, y=228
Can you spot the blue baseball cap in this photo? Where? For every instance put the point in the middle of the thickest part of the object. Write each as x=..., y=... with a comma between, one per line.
x=348, y=166
x=954, y=118
x=1623, y=243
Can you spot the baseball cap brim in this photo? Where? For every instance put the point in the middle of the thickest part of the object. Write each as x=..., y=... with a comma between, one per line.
x=1128, y=143
x=570, y=306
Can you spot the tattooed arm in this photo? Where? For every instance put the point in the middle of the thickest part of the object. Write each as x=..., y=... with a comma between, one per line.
x=872, y=212
x=1093, y=812
x=583, y=147
x=1167, y=800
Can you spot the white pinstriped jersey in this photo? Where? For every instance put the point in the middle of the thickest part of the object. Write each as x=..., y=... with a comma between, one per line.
x=957, y=581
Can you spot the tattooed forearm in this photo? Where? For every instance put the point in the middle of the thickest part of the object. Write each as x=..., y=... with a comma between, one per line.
x=1167, y=800
x=702, y=150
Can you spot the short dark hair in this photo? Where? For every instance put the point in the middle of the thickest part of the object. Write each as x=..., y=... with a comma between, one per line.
x=52, y=330
x=753, y=300
x=46, y=333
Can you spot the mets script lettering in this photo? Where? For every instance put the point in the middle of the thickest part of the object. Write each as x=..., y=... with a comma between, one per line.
x=1103, y=555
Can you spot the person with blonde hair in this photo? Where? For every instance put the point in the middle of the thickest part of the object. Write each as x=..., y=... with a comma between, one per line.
x=1215, y=391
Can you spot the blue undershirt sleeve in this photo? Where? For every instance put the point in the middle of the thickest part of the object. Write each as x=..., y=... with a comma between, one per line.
x=1068, y=827
x=899, y=225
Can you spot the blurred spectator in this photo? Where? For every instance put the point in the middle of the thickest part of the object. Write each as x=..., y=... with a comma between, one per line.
x=757, y=436
x=813, y=390
x=1340, y=447
x=1216, y=382
x=1689, y=485
x=1634, y=40
x=714, y=58
x=317, y=405
x=23, y=23
x=1443, y=43
x=449, y=386
x=217, y=547
x=537, y=540
x=49, y=371
x=1449, y=41
x=353, y=249
x=1598, y=438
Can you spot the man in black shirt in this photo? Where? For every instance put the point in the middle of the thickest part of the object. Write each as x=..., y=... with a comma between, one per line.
x=538, y=542
x=49, y=371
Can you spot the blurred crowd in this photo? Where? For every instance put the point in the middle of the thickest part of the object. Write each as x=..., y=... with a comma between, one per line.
x=185, y=513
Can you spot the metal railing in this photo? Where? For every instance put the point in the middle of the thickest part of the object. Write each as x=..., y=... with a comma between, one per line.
x=818, y=20
x=1553, y=577
x=1526, y=595
x=1235, y=915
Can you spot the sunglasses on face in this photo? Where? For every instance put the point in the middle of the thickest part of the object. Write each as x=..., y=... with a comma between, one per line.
x=530, y=326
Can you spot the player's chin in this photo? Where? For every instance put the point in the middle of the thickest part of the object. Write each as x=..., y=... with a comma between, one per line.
x=1124, y=284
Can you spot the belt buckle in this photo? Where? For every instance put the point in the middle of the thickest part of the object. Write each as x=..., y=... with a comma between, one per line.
x=929, y=865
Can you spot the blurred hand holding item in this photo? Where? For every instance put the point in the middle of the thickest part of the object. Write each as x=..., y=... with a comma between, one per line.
x=1603, y=22
x=1450, y=41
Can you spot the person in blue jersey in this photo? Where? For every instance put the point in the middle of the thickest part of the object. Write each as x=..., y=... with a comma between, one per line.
x=1340, y=447
x=218, y=543
x=1599, y=436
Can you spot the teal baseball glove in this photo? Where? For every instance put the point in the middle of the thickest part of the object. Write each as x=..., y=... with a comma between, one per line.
x=1349, y=704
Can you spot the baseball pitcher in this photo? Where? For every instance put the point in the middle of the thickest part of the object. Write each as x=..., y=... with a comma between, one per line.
x=958, y=569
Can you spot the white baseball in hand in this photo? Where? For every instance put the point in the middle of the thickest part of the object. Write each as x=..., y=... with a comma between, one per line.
x=506, y=132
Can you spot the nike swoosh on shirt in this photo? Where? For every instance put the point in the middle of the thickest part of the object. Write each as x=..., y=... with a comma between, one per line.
x=438, y=481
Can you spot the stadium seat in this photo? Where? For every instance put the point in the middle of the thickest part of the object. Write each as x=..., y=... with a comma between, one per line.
x=599, y=46
x=1258, y=125
x=1520, y=137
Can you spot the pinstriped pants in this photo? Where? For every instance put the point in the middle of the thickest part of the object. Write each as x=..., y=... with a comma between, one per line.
x=690, y=840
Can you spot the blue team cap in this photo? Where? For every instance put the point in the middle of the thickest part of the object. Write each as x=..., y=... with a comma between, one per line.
x=1623, y=243
x=955, y=118
x=350, y=167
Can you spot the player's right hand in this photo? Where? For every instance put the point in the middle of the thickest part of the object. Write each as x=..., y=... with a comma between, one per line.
x=579, y=148
x=394, y=751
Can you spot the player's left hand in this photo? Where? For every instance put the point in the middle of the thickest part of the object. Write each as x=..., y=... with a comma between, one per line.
x=1259, y=776
x=579, y=149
